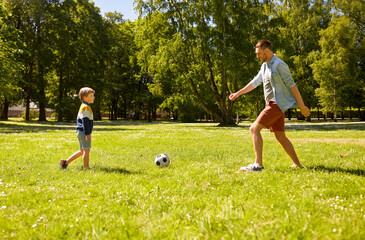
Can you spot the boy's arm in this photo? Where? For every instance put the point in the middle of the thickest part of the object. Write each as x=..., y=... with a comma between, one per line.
x=304, y=110
x=86, y=124
x=248, y=88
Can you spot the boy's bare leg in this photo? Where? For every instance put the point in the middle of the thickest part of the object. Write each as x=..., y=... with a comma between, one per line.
x=288, y=147
x=257, y=141
x=86, y=158
x=74, y=156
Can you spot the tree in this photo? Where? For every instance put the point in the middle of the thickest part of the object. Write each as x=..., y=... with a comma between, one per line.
x=9, y=66
x=297, y=41
x=79, y=44
x=334, y=67
x=23, y=17
x=121, y=67
x=203, y=44
x=355, y=11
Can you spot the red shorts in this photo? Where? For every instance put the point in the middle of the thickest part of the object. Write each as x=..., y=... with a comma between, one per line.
x=272, y=117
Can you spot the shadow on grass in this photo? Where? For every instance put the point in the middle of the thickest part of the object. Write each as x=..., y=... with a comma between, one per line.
x=327, y=126
x=116, y=170
x=29, y=127
x=300, y=126
x=358, y=172
x=35, y=126
x=17, y=127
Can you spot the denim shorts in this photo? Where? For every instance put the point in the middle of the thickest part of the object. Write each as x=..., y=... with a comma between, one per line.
x=82, y=141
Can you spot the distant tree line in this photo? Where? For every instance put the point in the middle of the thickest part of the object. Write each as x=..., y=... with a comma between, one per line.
x=184, y=57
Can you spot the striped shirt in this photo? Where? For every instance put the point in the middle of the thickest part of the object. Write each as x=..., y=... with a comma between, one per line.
x=85, y=118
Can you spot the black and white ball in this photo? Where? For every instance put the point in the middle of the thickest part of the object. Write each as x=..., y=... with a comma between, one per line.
x=162, y=160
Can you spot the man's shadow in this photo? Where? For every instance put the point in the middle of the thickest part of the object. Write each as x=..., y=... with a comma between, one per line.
x=358, y=172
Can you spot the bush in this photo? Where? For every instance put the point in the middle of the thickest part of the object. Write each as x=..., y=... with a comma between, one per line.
x=187, y=117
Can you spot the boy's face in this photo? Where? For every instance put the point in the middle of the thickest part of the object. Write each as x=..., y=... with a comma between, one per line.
x=89, y=98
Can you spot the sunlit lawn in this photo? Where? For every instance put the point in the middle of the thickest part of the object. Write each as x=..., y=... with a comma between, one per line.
x=199, y=196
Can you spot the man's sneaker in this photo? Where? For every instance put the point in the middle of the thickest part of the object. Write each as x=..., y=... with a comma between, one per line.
x=296, y=166
x=63, y=164
x=252, y=168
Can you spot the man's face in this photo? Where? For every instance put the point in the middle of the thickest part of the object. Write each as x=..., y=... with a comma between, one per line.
x=261, y=54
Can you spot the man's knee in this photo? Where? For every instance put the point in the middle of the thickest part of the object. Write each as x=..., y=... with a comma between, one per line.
x=255, y=128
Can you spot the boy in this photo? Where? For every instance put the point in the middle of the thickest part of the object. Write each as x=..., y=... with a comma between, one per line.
x=85, y=121
x=281, y=93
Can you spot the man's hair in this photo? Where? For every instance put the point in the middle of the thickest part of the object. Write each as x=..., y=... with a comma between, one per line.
x=84, y=92
x=263, y=44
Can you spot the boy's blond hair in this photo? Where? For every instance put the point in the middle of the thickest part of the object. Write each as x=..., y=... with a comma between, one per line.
x=84, y=92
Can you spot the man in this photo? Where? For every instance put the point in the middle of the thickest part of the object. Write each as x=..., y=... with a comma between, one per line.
x=281, y=93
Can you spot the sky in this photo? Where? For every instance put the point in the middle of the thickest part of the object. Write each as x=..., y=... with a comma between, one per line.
x=124, y=7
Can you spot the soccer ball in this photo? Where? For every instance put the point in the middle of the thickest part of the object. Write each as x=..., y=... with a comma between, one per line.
x=162, y=160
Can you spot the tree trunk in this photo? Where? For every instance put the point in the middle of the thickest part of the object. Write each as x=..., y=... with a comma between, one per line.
x=60, y=99
x=114, y=109
x=5, y=109
x=350, y=113
x=149, y=114
x=27, y=109
x=42, y=112
x=289, y=114
x=42, y=105
x=335, y=104
x=359, y=110
x=154, y=113
x=125, y=109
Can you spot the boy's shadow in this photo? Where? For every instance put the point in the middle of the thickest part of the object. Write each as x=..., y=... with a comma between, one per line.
x=115, y=170
x=358, y=172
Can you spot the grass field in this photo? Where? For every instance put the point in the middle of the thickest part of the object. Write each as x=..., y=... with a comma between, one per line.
x=199, y=196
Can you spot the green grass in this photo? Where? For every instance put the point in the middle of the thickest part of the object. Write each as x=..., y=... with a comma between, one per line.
x=199, y=196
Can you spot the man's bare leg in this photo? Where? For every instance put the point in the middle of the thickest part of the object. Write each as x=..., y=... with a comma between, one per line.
x=257, y=141
x=288, y=147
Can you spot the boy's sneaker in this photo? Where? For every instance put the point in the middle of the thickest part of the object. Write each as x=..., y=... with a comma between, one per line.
x=63, y=164
x=252, y=168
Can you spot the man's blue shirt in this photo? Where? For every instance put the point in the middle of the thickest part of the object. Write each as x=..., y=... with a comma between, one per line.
x=281, y=81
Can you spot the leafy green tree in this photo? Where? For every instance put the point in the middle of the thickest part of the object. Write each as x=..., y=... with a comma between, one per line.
x=355, y=11
x=10, y=68
x=79, y=44
x=296, y=41
x=64, y=35
x=206, y=45
x=334, y=67
x=33, y=19
x=42, y=53
x=122, y=70
x=23, y=15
